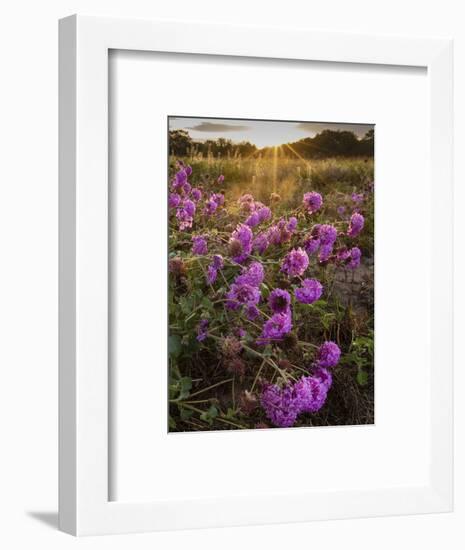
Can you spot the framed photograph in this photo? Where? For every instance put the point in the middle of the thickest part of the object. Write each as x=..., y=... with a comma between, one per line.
x=255, y=275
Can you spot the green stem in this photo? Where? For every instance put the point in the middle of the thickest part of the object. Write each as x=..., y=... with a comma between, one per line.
x=211, y=387
x=257, y=376
x=218, y=418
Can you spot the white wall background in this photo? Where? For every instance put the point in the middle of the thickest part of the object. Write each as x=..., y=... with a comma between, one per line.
x=28, y=268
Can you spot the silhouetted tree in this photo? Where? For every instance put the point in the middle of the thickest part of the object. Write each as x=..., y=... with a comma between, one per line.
x=180, y=142
x=328, y=143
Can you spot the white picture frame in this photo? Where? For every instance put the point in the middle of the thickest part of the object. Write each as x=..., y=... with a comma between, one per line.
x=84, y=505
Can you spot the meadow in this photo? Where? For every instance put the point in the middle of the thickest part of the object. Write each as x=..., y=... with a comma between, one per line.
x=271, y=292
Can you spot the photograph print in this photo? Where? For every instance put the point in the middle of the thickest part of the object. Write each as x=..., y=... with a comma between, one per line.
x=271, y=274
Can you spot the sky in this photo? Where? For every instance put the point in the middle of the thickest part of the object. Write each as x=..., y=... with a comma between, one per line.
x=262, y=133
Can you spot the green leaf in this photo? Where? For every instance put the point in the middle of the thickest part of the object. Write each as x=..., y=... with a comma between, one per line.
x=185, y=413
x=210, y=415
x=173, y=390
x=185, y=384
x=206, y=303
x=171, y=423
x=265, y=290
x=174, y=345
x=362, y=377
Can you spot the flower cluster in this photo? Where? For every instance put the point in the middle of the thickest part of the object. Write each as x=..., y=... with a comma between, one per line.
x=245, y=290
x=212, y=270
x=350, y=258
x=240, y=243
x=199, y=245
x=283, y=404
x=357, y=221
x=185, y=214
x=310, y=291
x=328, y=355
x=276, y=328
x=322, y=239
x=313, y=202
x=213, y=203
x=295, y=262
x=279, y=301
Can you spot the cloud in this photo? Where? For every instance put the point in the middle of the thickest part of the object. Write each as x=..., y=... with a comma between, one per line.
x=316, y=127
x=217, y=127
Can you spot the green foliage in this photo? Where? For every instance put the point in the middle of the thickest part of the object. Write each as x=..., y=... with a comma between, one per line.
x=209, y=415
x=361, y=354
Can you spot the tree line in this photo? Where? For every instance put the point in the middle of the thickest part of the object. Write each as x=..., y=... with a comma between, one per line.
x=328, y=143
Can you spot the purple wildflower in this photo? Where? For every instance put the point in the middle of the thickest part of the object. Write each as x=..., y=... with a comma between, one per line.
x=196, y=194
x=218, y=198
x=282, y=231
x=273, y=235
x=218, y=261
x=295, y=263
x=240, y=243
x=286, y=229
x=186, y=188
x=311, y=394
x=253, y=219
x=202, y=330
x=324, y=376
x=276, y=327
x=341, y=210
x=185, y=214
x=179, y=179
x=241, y=294
x=357, y=197
x=313, y=202
x=325, y=252
x=212, y=270
x=343, y=255
x=252, y=312
x=310, y=291
x=355, y=256
x=212, y=274
x=220, y=178
x=357, y=222
x=311, y=245
x=327, y=234
x=188, y=170
x=328, y=355
x=199, y=246
x=252, y=275
x=281, y=405
x=189, y=207
x=174, y=200
x=260, y=243
x=279, y=300
x=210, y=207
x=292, y=224
x=264, y=214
